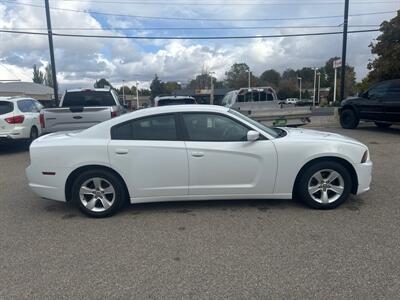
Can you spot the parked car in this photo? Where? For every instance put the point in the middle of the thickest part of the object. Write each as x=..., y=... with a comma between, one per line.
x=195, y=152
x=19, y=118
x=81, y=109
x=380, y=104
x=304, y=102
x=291, y=101
x=174, y=100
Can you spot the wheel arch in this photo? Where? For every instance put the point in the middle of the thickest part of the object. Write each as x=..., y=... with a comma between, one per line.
x=352, y=107
x=74, y=174
x=339, y=160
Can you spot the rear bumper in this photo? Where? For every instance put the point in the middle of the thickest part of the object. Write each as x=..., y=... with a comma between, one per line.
x=364, y=174
x=47, y=186
x=14, y=134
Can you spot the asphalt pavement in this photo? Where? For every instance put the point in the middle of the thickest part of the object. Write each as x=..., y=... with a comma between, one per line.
x=264, y=249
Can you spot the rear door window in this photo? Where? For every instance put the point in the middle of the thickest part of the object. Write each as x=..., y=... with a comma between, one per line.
x=159, y=127
x=88, y=98
x=6, y=107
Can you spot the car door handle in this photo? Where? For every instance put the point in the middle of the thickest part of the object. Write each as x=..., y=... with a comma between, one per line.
x=197, y=154
x=121, y=151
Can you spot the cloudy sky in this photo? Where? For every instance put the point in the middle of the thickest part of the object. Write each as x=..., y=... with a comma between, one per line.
x=80, y=61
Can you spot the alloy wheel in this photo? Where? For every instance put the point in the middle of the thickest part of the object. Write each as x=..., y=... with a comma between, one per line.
x=326, y=186
x=97, y=194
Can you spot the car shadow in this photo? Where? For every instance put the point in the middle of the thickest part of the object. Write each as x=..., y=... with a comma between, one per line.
x=193, y=207
x=9, y=147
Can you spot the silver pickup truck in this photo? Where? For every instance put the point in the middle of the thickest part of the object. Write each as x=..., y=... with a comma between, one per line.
x=81, y=109
x=262, y=105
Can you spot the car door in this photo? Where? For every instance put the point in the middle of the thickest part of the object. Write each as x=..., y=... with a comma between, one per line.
x=148, y=154
x=371, y=107
x=221, y=160
x=391, y=102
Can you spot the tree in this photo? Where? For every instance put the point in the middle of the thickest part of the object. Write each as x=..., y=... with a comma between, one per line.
x=102, y=83
x=38, y=76
x=126, y=90
x=237, y=76
x=387, y=49
x=288, y=89
x=289, y=74
x=48, y=76
x=171, y=86
x=203, y=81
x=270, y=77
x=156, y=87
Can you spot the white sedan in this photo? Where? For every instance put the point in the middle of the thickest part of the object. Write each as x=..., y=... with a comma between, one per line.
x=195, y=152
x=19, y=118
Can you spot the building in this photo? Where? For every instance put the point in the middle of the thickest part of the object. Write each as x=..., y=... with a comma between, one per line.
x=40, y=92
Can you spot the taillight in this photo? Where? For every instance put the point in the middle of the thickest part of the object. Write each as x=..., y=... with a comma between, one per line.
x=41, y=120
x=113, y=114
x=15, y=120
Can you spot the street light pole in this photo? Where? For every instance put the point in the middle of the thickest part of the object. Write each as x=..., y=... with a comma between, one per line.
x=249, y=78
x=299, y=79
x=334, y=86
x=52, y=60
x=137, y=94
x=315, y=83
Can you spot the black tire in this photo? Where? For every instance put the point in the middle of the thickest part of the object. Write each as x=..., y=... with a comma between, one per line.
x=349, y=119
x=107, y=178
x=383, y=125
x=302, y=185
x=34, y=134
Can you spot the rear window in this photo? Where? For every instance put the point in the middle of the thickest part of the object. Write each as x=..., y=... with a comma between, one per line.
x=6, y=107
x=88, y=98
x=164, y=102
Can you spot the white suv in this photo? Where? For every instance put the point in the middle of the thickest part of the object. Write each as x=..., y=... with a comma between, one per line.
x=19, y=118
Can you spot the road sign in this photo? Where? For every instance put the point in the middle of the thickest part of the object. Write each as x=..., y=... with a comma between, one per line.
x=337, y=63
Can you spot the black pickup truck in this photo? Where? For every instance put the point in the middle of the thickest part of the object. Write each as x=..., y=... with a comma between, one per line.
x=380, y=104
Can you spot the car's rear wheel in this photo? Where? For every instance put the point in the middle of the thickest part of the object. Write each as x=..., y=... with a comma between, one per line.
x=349, y=119
x=99, y=193
x=324, y=185
x=34, y=134
x=383, y=125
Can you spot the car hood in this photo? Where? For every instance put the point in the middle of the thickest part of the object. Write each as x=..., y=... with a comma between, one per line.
x=315, y=135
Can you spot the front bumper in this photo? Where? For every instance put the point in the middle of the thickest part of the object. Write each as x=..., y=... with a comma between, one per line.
x=364, y=174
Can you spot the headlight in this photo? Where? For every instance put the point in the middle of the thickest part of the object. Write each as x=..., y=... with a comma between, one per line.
x=365, y=157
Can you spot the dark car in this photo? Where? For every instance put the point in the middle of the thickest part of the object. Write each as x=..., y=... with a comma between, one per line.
x=380, y=104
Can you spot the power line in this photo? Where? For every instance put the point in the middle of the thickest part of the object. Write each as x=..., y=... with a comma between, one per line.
x=190, y=28
x=196, y=19
x=187, y=37
x=173, y=3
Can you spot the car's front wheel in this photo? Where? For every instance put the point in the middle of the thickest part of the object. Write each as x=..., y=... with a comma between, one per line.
x=324, y=185
x=383, y=125
x=349, y=119
x=99, y=193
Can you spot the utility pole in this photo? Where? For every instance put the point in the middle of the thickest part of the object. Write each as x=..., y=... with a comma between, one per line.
x=123, y=91
x=319, y=84
x=52, y=61
x=299, y=79
x=212, y=88
x=344, y=46
x=315, y=85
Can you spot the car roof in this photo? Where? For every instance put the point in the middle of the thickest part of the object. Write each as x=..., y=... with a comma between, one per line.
x=172, y=98
x=15, y=98
x=89, y=90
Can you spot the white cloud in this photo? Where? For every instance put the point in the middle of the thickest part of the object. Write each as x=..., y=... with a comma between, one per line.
x=80, y=61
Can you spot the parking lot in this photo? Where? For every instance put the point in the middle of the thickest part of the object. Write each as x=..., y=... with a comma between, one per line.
x=264, y=249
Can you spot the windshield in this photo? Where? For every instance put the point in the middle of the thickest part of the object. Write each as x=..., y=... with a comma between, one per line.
x=271, y=131
x=173, y=101
x=6, y=107
x=88, y=98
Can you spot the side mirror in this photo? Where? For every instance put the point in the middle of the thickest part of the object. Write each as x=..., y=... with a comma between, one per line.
x=253, y=135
